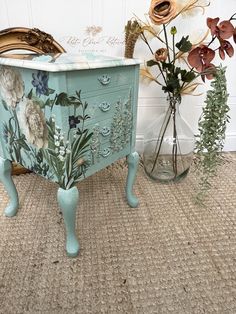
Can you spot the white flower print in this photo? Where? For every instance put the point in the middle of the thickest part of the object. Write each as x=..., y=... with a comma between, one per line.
x=11, y=86
x=32, y=122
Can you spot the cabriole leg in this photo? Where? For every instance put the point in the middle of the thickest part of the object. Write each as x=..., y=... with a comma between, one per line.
x=132, y=160
x=5, y=177
x=68, y=201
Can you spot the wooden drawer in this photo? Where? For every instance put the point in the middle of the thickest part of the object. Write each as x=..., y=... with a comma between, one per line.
x=112, y=142
x=105, y=159
x=99, y=79
x=102, y=130
x=101, y=107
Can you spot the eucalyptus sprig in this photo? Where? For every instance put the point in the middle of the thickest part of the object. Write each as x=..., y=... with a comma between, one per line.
x=212, y=127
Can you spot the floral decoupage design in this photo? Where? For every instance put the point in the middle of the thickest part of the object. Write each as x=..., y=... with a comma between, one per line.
x=33, y=138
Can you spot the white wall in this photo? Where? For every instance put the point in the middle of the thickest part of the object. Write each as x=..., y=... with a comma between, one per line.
x=68, y=22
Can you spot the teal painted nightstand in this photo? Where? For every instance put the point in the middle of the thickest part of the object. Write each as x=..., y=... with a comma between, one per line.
x=65, y=117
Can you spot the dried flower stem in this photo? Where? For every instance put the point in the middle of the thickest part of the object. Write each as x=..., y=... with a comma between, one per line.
x=166, y=41
x=161, y=137
x=233, y=17
x=174, y=148
x=171, y=112
x=173, y=44
x=146, y=41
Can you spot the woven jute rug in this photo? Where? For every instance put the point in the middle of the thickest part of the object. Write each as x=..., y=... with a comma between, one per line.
x=167, y=256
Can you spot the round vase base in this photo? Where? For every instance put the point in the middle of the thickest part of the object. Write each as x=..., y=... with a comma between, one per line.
x=166, y=176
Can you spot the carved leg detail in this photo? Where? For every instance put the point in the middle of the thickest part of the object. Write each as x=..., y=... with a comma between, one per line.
x=5, y=177
x=68, y=201
x=132, y=160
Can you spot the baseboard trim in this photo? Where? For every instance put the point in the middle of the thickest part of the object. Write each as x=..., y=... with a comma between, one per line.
x=230, y=142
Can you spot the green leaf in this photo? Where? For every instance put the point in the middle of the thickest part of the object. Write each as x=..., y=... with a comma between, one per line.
x=10, y=126
x=30, y=94
x=39, y=155
x=184, y=44
x=47, y=103
x=23, y=144
x=68, y=165
x=151, y=63
x=62, y=99
x=187, y=76
x=72, y=98
x=86, y=117
x=52, y=152
x=5, y=105
x=172, y=85
x=177, y=71
x=51, y=133
x=51, y=91
x=80, y=144
x=17, y=153
x=168, y=66
x=78, y=93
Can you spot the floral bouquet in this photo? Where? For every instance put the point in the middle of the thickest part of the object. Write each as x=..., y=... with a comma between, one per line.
x=179, y=67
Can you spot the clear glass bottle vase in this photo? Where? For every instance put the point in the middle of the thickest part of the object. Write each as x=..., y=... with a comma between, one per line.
x=168, y=146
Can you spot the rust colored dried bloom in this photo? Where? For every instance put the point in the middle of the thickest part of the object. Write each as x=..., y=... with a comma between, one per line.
x=208, y=71
x=201, y=57
x=235, y=35
x=162, y=11
x=225, y=46
x=224, y=30
x=161, y=55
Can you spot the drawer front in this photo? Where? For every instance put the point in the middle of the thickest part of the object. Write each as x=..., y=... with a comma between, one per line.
x=117, y=131
x=105, y=159
x=100, y=108
x=113, y=127
x=99, y=79
x=98, y=153
x=116, y=141
x=102, y=131
x=110, y=128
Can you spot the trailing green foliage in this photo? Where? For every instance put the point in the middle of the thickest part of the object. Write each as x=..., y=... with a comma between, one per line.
x=212, y=127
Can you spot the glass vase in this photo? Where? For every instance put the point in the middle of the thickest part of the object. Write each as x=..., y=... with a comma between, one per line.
x=168, y=146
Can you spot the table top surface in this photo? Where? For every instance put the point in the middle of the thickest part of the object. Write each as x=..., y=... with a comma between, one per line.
x=64, y=61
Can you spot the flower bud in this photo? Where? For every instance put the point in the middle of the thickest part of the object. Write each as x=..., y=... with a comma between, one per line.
x=161, y=55
x=173, y=30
